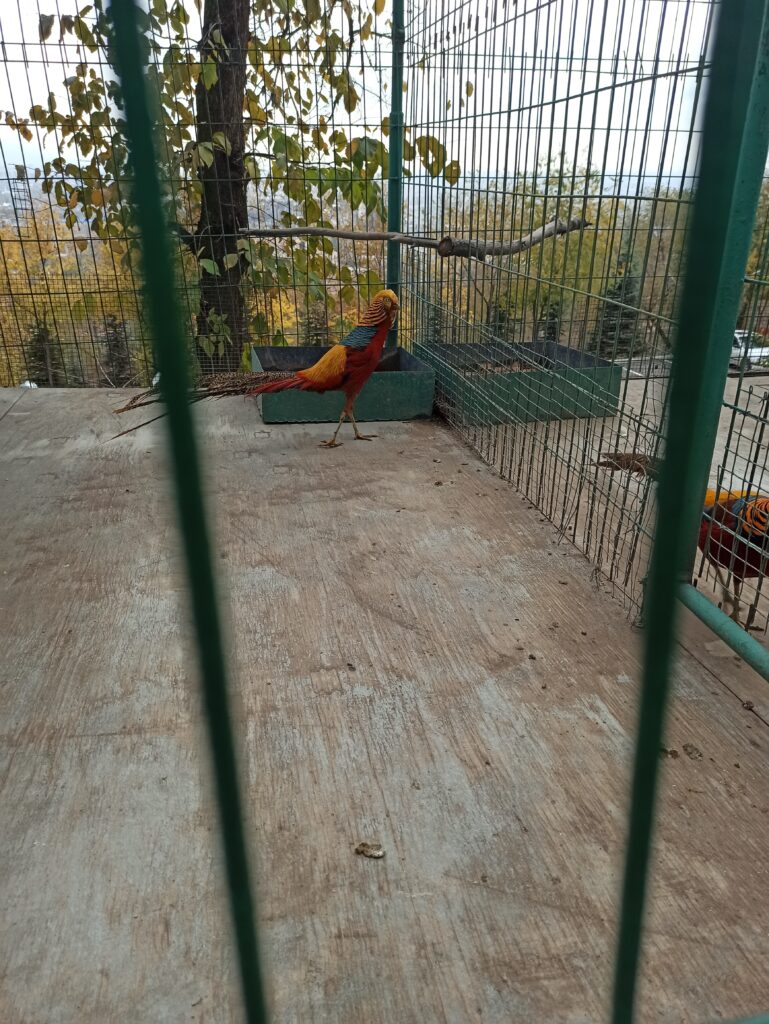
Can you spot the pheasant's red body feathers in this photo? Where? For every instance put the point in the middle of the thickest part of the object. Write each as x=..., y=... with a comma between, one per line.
x=734, y=533
x=347, y=366
x=344, y=367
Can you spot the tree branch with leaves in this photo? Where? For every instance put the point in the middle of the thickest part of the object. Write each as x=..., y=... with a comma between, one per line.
x=246, y=93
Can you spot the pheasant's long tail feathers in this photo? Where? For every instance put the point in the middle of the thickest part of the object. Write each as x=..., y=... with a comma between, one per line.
x=326, y=375
x=219, y=385
x=140, y=400
x=288, y=384
x=146, y=423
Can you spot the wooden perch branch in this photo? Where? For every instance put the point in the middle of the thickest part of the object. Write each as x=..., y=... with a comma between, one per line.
x=480, y=250
x=474, y=249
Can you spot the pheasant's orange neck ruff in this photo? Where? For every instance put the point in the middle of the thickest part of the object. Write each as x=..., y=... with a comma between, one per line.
x=375, y=314
x=754, y=514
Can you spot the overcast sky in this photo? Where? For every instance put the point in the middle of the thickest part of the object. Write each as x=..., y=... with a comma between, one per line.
x=600, y=79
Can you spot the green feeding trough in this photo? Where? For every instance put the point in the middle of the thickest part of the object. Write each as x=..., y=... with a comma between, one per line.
x=505, y=383
x=401, y=388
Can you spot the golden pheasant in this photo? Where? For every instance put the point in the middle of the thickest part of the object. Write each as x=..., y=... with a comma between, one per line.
x=345, y=367
x=734, y=527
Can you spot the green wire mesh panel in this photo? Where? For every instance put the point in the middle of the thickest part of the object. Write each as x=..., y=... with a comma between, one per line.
x=741, y=457
x=269, y=117
x=548, y=358
x=562, y=135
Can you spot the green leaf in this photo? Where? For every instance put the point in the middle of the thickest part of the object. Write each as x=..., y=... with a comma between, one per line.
x=312, y=11
x=260, y=324
x=45, y=26
x=209, y=74
x=469, y=89
x=284, y=145
x=369, y=283
x=221, y=141
x=312, y=211
x=230, y=260
x=211, y=268
x=84, y=34
x=452, y=172
x=432, y=153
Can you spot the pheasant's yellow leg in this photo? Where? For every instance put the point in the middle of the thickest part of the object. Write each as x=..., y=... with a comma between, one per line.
x=726, y=597
x=333, y=443
x=737, y=584
x=358, y=435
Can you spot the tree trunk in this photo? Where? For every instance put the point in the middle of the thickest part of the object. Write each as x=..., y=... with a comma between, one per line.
x=43, y=358
x=117, y=354
x=219, y=113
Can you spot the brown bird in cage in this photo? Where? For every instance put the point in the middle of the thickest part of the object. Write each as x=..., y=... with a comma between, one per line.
x=344, y=367
x=634, y=462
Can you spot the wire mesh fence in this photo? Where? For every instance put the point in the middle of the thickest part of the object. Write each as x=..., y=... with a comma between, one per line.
x=552, y=359
x=552, y=352
x=265, y=119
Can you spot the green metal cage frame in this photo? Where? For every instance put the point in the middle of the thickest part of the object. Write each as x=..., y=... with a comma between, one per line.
x=734, y=150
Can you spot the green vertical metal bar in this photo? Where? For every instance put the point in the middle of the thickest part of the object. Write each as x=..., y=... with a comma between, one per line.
x=172, y=362
x=743, y=104
x=395, y=161
x=734, y=144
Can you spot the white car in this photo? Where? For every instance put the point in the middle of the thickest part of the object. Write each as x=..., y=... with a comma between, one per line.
x=744, y=346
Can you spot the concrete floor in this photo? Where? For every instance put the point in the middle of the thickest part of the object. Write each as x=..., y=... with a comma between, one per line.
x=418, y=662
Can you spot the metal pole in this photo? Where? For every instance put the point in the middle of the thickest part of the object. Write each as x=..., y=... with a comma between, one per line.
x=744, y=108
x=167, y=325
x=733, y=153
x=734, y=636
x=395, y=164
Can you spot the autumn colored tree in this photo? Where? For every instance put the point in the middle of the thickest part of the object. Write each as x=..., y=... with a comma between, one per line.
x=75, y=288
x=247, y=94
x=551, y=290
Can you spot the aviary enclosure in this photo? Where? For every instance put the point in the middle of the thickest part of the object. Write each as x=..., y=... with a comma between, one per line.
x=309, y=153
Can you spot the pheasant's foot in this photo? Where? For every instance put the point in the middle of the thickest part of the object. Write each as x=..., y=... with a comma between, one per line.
x=358, y=435
x=331, y=444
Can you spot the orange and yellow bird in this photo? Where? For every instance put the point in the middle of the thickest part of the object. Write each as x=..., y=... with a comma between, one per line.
x=734, y=526
x=345, y=367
